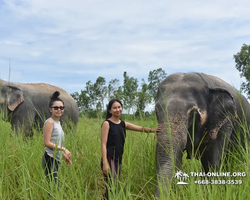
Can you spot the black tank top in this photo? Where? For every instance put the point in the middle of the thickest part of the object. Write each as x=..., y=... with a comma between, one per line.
x=116, y=140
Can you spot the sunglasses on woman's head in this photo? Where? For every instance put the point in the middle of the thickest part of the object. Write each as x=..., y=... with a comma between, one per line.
x=58, y=107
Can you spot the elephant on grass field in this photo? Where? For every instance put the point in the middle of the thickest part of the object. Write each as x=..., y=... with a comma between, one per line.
x=199, y=114
x=26, y=104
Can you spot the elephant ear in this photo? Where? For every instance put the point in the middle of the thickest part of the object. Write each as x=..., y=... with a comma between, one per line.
x=221, y=104
x=14, y=98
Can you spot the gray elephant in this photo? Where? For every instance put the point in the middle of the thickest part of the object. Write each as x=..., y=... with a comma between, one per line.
x=26, y=104
x=199, y=114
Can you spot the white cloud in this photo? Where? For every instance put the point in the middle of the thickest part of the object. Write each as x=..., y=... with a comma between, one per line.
x=68, y=43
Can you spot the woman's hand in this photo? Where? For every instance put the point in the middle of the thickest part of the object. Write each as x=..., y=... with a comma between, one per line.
x=158, y=128
x=67, y=157
x=105, y=168
x=68, y=162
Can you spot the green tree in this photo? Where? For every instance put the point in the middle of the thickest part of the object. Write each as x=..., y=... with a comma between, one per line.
x=100, y=91
x=86, y=99
x=129, y=93
x=90, y=92
x=143, y=98
x=83, y=101
x=99, y=110
x=242, y=60
x=154, y=79
x=118, y=94
x=113, y=86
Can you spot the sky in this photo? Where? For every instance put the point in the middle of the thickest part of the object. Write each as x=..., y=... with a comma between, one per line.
x=67, y=43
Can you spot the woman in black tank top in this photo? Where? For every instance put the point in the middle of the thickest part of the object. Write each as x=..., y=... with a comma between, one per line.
x=113, y=134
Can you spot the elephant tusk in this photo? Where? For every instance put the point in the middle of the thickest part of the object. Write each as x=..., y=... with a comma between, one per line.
x=202, y=113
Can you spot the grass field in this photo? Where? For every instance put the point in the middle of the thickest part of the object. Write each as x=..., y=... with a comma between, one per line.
x=22, y=175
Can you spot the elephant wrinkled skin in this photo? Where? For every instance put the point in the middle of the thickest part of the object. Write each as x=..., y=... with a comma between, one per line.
x=26, y=104
x=199, y=114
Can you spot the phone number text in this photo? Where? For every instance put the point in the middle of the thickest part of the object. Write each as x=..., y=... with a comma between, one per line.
x=218, y=182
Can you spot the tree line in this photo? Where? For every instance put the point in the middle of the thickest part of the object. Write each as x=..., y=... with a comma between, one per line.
x=135, y=98
x=91, y=100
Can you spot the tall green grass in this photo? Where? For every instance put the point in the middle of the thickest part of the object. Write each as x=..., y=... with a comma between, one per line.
x=22, y=175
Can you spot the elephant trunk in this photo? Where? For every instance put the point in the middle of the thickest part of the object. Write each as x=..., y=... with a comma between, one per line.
x=171, y=142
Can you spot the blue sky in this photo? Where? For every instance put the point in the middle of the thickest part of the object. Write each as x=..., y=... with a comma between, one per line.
x=67, y=43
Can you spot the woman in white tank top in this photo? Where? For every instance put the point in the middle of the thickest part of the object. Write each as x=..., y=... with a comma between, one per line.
x=53, y=137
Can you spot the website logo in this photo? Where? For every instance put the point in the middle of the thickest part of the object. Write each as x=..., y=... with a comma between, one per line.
x=181, y=176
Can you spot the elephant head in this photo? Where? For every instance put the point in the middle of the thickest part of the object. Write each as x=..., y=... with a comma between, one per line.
x=27, y=104
x=11, y=96
x=192, y=109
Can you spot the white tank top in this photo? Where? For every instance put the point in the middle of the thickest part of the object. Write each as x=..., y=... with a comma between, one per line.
x=57, y=138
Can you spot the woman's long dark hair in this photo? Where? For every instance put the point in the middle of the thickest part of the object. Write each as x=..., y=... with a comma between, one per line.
x=55, y=97
x=108, y=115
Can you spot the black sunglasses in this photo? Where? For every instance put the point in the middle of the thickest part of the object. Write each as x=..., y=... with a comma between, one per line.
x=58, y=107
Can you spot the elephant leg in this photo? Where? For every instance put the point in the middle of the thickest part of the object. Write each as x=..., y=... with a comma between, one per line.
x=212, y=154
